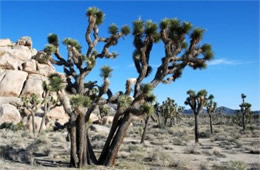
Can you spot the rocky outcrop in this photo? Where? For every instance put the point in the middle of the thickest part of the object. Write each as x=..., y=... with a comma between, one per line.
x=58, y=114
x=34, y=85
x=12, y=82
x=9, y=114
x=21, y=75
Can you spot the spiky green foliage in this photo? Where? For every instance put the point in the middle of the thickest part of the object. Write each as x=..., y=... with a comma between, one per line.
x=73, y=43
x=174, y=24
x=106, y=72
x=113, y=29
x=146, y=89
x=165, y=23
x=151, y=98
x=124, y=101
x=31, y=101
x=197, y=34
x=125, y=30
x=49, y=49
x=147, y=108
x=202, y=93
x=53, y=39
x=191, y=93
x=150, y=27
x=93, y=11
x=211, y=97
x=77, y=101
x=138, y=27
x=186, y=27
x=55, y=82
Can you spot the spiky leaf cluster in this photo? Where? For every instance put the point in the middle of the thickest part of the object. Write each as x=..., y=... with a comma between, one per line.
x=73, y=43
x=197, y=34
x=106, y=72
x=138, y=27
x=125, y=30
x=93, y=11
x=147, y=89
x=124, y=101
x=78, y=100
x=49, y=49
x=53, y=39
x=113, y=29
x=56, y=83
x=147, y=108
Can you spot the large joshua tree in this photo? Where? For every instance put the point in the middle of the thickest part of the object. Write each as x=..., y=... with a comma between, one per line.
x=197, y=102
x=245, y=109
x=178, y=55
x=211, y=109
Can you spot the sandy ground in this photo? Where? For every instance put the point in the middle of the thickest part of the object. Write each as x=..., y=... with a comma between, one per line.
x=164, y=148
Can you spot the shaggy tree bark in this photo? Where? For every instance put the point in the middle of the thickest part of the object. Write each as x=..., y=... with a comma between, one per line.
x=144, y=130
x=196, y=131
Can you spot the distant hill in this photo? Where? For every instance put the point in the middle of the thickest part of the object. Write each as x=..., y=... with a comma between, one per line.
x=222, y=109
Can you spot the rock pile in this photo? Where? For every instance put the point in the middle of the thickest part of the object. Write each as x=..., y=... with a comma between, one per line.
x=21, y=75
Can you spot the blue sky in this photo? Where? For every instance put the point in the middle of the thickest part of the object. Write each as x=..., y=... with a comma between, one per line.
x=232, y=30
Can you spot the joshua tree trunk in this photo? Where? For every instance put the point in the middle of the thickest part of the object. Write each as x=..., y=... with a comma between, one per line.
x=159, y=119
x=243, y=122
x=33, y=124
x=82, y=143
x=165, y=122
x=110, y=155
x=43, y=121
x=145, y=127
x=211, y=126
x=73, y=152
x=196, y=128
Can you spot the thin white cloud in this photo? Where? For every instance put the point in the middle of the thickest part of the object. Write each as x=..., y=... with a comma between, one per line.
x=223, y=61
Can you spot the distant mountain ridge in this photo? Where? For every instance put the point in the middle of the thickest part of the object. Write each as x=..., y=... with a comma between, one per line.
x=222, y=109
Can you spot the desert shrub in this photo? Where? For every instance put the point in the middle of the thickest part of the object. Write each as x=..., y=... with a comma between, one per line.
x=19, y=155
x=205, y=134
x=182, y=141
x=204, y=166
x=134, y=148
x=231, y=165
x=161, y=158
x=217, y=152
x=13, y=127
x=192, y=149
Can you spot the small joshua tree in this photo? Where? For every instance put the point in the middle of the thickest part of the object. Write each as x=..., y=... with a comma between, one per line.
x=157, y=110
x=30, y=104
x=148, y=109
x=211, y=109
x=169, y=110
x=245, y=109
x=49, y=103
x=197, y=102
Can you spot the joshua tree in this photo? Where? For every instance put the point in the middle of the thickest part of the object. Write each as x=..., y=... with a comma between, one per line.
x=157, y=110
x=245, y=109
x=178, y=55
x=148, y=109
x=30, y=104
x=170, y=110
x=49, y=102
x=197, y=102
x=211, y=109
